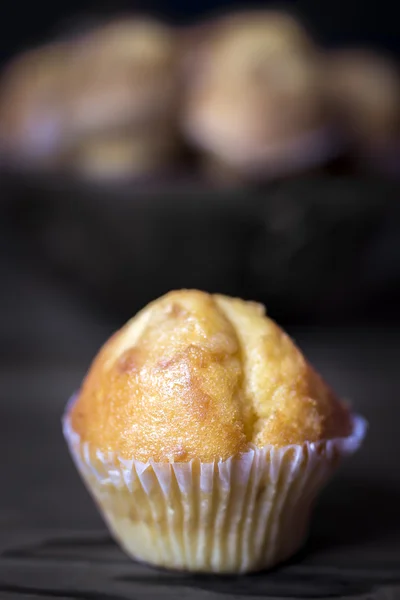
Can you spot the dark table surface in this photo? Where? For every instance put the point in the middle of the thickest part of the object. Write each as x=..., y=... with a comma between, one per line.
x=54, y=544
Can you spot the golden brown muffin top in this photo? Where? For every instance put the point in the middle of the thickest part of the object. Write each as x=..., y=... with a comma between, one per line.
x=195, y=375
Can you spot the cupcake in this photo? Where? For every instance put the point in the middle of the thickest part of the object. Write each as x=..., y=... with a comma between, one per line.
x=32, y=119
x=123, y=99
x=204, y=435
x=254, y=100
x=364, y=93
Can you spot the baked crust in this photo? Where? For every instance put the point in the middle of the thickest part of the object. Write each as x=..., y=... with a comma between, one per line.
x=200, y=376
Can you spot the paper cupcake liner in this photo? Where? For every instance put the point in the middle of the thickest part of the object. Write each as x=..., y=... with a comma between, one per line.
x=243, y=514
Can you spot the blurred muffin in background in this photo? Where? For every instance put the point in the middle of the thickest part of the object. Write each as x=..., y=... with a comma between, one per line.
x=123, y=155
x=32, y=116
x=363, y=89
x=123, y=99
x=254, y=100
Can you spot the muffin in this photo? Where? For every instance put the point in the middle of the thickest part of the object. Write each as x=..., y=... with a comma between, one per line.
x=123, y=98
x=254, y=102
x=364, y=94
x=120, y=155
x=32, y=119
x=204, y=435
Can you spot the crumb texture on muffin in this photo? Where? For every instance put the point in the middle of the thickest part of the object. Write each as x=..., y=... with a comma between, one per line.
x=195, y=375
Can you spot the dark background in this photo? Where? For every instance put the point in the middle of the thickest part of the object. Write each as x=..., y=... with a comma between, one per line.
x=334, y=22
x=76, y=261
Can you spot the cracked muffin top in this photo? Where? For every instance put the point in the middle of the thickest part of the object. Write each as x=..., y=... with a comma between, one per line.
x=200, y=376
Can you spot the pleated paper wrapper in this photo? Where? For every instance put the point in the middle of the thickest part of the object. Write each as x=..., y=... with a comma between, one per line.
x=243, y=514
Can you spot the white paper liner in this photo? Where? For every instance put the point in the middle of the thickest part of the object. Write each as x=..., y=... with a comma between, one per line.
x=243, y=514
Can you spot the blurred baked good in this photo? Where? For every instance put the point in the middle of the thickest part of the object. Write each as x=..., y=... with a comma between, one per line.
x=254, y=96
x=32, y=117
x=198, y=403
x=124, y=83
x=364, y=93
x=116, y=155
